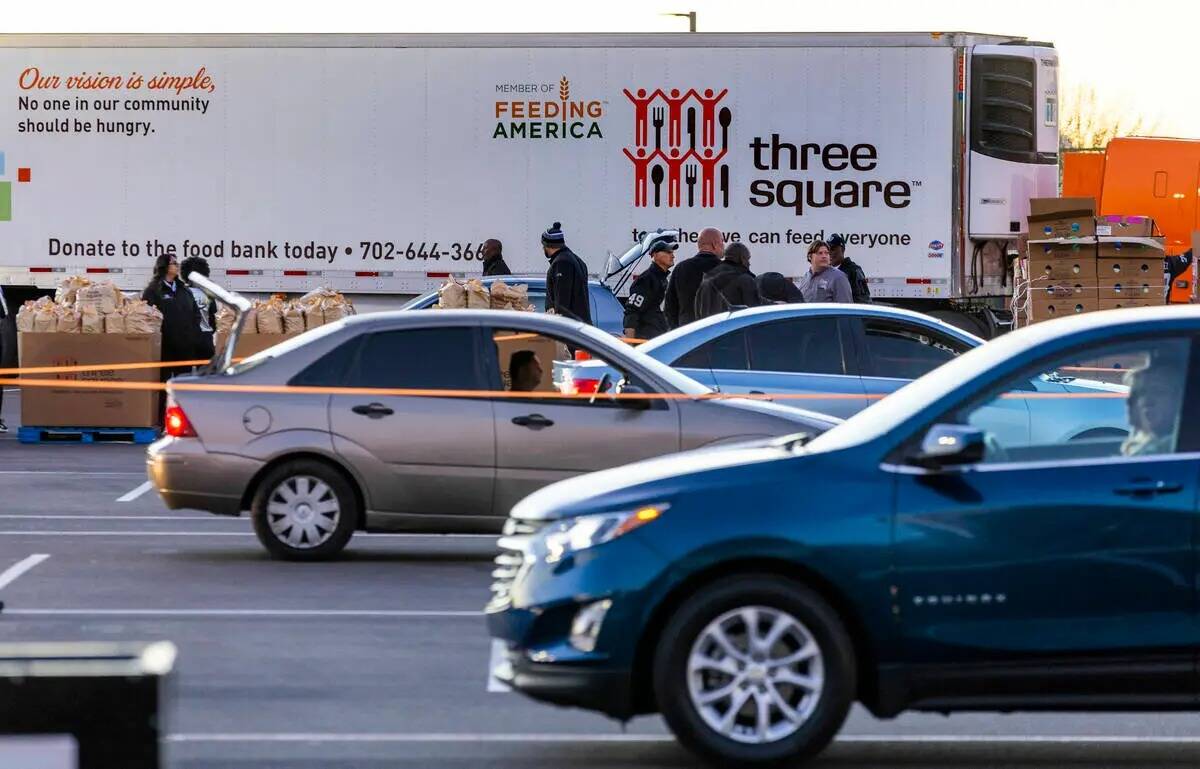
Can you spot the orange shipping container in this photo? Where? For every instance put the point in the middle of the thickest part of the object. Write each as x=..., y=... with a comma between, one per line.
x=1142, y=176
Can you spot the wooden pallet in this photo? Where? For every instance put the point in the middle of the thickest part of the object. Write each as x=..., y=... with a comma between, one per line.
x=139, y=435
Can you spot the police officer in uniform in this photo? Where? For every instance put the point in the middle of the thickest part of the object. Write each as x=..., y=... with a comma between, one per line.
x=644, y=317
x=860, y=290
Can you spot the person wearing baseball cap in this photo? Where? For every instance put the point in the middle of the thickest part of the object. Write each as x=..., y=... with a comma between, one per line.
x=858, y=279
x=567, y=278
x=644, y=316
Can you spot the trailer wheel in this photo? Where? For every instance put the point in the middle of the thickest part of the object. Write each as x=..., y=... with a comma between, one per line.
x=961, y=320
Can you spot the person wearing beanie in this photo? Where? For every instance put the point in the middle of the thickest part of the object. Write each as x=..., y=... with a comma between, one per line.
x=567, y=278
x=493, y=258
x=776, y=289
x=859, y=289
x=644, y=318
x=680, y=306
x=728, y=286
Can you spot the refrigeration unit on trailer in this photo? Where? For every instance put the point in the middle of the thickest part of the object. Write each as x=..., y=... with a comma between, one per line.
x=378, y=164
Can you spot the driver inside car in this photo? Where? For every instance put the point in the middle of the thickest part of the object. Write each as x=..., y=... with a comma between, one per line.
x=1153, y=405
x=524, y=371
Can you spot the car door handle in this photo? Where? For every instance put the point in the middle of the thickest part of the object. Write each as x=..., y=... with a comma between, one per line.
x=1146, y=488
x=373, y=410
x=533, y=421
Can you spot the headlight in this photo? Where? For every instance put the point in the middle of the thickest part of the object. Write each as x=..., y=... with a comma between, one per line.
x=575, y=534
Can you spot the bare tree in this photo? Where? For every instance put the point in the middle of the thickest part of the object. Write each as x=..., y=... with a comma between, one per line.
x=1088, y=123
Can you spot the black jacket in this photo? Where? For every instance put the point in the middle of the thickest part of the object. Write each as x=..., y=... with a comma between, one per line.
x=858, y=281
x=181, y=319
x=643, y=309
x=726, y=286
x=495, y=266
x=567, y=286
x=680, y=306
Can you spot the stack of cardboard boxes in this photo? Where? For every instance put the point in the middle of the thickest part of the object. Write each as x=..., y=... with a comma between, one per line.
x=1079, y=262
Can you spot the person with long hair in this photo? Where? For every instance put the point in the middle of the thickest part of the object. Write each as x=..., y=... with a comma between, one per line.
x=181, y=317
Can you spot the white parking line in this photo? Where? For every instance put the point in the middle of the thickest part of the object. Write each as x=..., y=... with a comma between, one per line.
x=134, y=494
x=10, y=574
x=220, y=534
x=31, y=517
x=313, y=613
x=869, y=739
x=79, y=473
x=495, y=658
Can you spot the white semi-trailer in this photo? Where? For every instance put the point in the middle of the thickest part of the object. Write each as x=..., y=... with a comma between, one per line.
x=377, y=164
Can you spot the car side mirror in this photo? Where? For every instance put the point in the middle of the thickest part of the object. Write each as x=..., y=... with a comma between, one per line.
x=626, y=388
x=950, y=445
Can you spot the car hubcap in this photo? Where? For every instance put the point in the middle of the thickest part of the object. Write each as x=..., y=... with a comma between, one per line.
x=755, y=675
x=303, y=512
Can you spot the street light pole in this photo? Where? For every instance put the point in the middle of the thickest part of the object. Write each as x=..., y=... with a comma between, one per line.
x=690, y=16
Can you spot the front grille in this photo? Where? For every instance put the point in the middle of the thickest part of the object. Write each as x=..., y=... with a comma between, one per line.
x=512, y=544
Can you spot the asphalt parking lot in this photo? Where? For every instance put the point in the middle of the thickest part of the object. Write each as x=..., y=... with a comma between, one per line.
x=380, y=659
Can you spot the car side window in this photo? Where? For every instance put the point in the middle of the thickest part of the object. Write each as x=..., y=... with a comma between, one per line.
x=419, y=359
x=331, y=368
x=526, y=361
x=798, y=346
x=727, y=353
x=903, y=351
x=1122, y=399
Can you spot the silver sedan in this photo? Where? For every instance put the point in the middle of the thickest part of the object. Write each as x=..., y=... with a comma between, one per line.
x=314, y=465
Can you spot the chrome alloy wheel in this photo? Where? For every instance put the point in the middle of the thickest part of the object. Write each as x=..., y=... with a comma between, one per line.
x=755, y=675
x=303, y=512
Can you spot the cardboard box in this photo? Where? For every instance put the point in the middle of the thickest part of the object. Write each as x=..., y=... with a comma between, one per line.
x=1062, y=217
x=1141, y=269
x=1041, y=291
x=1044, y=270
x=1057, y=308
x=1119, y=304
x=1115, y=225
x=1132, y=287
x=1141, y=248
x=1083, y=248
x=68, y=406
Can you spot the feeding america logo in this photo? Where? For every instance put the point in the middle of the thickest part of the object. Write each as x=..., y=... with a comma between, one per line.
x=687, y=153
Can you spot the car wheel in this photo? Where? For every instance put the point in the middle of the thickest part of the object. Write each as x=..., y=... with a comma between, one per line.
x=303, y=510
x=754, y=670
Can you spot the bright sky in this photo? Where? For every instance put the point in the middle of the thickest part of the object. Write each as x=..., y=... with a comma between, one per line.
x=1141, y=57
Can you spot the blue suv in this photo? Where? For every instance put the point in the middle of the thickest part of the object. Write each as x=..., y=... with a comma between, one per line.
x=923, y=555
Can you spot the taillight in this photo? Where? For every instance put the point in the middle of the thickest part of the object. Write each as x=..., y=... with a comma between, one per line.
x=177, y=423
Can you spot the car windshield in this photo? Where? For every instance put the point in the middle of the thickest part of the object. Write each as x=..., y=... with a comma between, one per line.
x=674, y=334
x=256, y=360
x=620, y=351
x=886, y=414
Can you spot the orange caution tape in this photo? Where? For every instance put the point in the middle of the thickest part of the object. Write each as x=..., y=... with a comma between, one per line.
x=102, y=367
x=498, y=394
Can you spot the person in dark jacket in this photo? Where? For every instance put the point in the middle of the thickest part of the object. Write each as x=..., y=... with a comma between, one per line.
x=644, y=317
x=567, y=278
x=181, y=317
x=493, y=258
x=680, y=307
x=776, y=289
x=860, y=291
x=8, y=350
x=730, y=285
x=208, y=309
